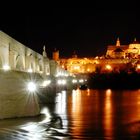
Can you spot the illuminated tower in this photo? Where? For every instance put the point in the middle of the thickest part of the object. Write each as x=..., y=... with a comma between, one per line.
x=118, y=42
x=56, y=55
x=44, y=51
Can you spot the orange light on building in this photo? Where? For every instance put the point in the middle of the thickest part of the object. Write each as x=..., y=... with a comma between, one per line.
x=108, y=67
x=97, y=57
x=138, y=67
x=76, y=67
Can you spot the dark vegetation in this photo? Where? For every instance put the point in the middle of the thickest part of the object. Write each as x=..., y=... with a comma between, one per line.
x=122, y=80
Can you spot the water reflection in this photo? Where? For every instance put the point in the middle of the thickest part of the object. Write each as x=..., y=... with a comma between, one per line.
x=61, y=103
x=104, y=114
x=76, y=102
x=76, y=112
x=61, y=108
x=81, y=114
x=88, y=92
x=45, y=110
x=108, y=113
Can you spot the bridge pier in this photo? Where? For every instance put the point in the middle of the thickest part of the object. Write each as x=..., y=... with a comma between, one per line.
x=15, y=99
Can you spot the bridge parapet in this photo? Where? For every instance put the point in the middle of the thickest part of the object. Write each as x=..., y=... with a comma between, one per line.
x=19, y=57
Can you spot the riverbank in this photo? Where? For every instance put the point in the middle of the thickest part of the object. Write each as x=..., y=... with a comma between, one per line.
x=121, y=80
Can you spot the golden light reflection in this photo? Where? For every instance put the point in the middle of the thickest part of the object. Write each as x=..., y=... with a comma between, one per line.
x=108, y=92
x=132, y=103
x=88, y=92
x=47, y=114
x=76, y=101
x=61, y=103
x=77, y=111
x=108, y=113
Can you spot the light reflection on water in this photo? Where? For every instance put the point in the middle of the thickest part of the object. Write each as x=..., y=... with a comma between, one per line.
x=81, y=114
x=107, y=113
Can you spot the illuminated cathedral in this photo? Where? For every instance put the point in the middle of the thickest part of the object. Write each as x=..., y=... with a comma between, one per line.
x=124, y=51
x=117, y=58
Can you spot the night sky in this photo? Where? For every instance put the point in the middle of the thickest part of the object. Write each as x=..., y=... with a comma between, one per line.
x=87, y=31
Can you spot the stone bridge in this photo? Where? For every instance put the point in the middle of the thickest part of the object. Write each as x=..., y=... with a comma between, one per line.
x=22, y=70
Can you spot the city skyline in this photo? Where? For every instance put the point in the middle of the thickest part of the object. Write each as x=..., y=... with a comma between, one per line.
x=86, y=31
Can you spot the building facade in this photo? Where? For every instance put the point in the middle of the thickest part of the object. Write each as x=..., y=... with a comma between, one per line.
x=131, y=50
x=117, y=58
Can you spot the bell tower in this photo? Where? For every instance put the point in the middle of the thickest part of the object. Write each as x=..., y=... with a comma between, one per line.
x=118, y=42
x=56, y=54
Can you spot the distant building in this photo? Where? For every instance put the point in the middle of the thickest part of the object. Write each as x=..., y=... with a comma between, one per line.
x=55, y=54
x=124, y=51
x=117, y=58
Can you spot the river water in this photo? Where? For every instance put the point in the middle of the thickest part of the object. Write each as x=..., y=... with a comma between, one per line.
x=81, y=114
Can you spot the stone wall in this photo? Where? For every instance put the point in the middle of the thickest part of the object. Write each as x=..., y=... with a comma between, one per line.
x=15, y=99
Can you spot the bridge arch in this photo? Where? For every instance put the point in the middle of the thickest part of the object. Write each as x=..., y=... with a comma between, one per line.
x=19, y=62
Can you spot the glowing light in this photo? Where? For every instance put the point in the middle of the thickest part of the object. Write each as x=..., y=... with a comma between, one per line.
x=76, y=67
x=59, y=74
x=74, y=81
x=88, y=92
x=48, y=73
x=61, y=82
x=66, y=75
x=138, y=67
x=108, y=92
x=46, y=83
x=108, y=112
x=6, y=67
x=46, y=111
x=30, y=70
x=96, y=57
x=108, y=67
x=31, y=86
x=96, y=62
x=81, y=80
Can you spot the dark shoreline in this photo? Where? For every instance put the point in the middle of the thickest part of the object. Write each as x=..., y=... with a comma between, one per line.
x=121, y=80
